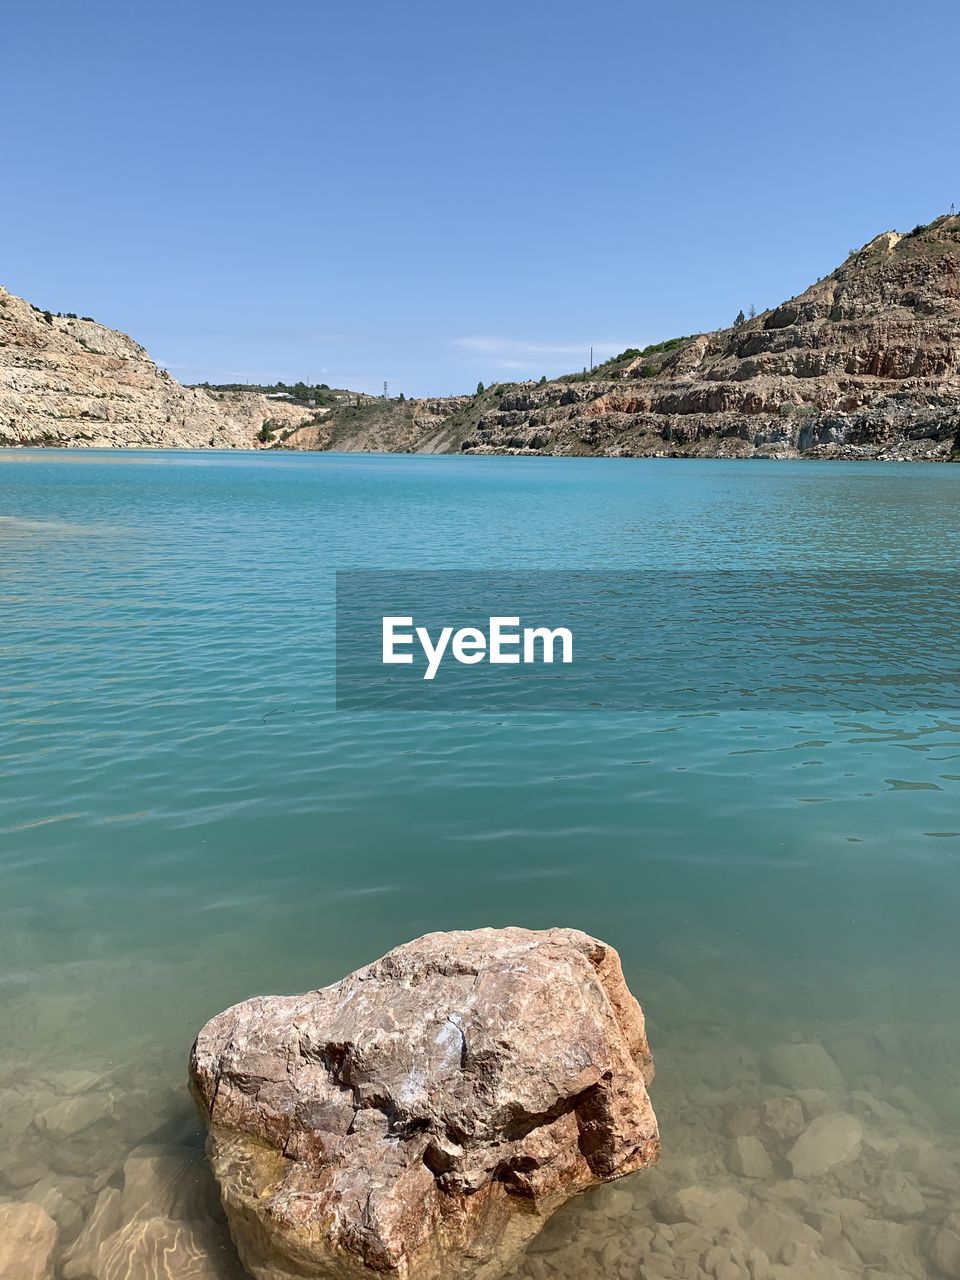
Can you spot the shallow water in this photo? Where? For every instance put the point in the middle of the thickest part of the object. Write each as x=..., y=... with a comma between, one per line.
x=186, y=820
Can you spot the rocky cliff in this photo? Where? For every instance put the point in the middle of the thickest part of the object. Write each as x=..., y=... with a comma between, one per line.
x=864, y=364
x=68, y=381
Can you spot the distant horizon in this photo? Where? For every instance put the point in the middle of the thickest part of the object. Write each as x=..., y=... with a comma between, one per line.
x=432, y=197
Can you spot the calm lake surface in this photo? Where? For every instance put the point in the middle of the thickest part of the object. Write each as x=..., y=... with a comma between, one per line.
x=186, y=820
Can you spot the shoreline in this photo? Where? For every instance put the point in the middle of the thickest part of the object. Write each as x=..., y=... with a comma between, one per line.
x=484, y=453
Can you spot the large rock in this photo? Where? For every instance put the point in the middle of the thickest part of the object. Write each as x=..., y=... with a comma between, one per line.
x=423, y=1117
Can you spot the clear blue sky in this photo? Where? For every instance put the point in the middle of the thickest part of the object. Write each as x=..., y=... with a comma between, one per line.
x=435, y=193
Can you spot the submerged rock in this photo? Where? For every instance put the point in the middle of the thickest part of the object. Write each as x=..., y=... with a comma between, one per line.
x=158, y=1249
x=829, y=1141
x=28, y=1237
x=68, y=1083
x=748, y=1158
x=423, y=1117
x=105, y=1218
x=783, y=1117
x=59, y=1198
x=804, y=1066
x=945, y=1250
x=74, y=1114
x=713, y=1207
x=158, y=1184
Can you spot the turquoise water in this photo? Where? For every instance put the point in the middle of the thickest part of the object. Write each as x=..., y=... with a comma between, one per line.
x=187, y=820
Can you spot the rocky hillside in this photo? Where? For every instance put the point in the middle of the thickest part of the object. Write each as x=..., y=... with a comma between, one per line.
x=68, y=381
x=864, y=364
x=369, y=424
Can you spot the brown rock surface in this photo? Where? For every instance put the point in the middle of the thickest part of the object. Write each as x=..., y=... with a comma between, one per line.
x=424, y=1116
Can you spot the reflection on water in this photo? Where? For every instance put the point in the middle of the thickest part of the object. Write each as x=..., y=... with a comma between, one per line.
x=187, y=821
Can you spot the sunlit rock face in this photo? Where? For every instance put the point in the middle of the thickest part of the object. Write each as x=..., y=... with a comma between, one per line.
x=424, y=1116
x=68, y=382
x=863, y=364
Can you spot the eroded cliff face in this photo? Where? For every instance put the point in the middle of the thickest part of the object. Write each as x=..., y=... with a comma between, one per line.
x=864, y=364
x=66, y=381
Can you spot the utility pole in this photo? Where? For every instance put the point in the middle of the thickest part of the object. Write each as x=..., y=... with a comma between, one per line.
x=591, y=359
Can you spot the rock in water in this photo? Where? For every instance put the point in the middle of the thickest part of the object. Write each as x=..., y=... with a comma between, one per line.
x=158, y=1249
x=28, y=1237
x=829, y=1141
x=423, y=1117
x=805, y=1066
x=748, y=1157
